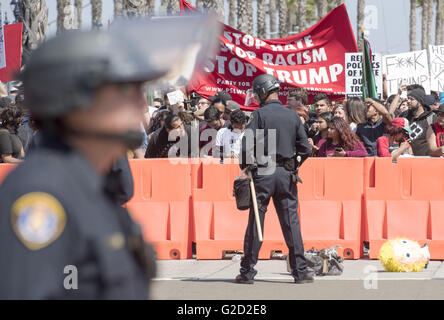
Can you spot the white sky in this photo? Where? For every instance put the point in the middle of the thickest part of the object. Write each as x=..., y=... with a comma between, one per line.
x=390, y=33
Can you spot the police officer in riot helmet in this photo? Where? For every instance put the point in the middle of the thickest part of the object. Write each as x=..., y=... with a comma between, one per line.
x=62, y=236
x=274, y=171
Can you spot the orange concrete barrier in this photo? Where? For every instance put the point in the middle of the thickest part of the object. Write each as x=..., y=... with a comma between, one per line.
x=218, y=225
x=330, y=209
x=5, y=169
x=341, y=201
x=161, y=204
x=405, y=199
x=330, y=202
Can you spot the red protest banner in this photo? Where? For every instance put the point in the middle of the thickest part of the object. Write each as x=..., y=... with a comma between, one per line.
x=13, y=51
x=312, y=59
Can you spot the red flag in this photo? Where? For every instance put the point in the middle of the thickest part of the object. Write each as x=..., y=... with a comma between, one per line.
x=13, y=51
x=312, y=59
x=185, y=7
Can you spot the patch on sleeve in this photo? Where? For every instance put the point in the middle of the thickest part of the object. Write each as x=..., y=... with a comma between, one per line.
x=37, y=219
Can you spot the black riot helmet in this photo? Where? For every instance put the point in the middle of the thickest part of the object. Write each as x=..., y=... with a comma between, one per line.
x=265, y=84
x=62, y=74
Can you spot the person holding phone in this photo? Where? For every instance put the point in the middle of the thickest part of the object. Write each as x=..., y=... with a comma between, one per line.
x=341, y=141
x=396, y=141
x=435, y=134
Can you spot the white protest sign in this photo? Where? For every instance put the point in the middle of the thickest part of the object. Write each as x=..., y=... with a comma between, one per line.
x=2, y=43
x=436, y=68
x=406, y=68
x=175, y=97
x=353, y=74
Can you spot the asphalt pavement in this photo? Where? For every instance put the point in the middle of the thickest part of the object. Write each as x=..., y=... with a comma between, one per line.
x=362, y=279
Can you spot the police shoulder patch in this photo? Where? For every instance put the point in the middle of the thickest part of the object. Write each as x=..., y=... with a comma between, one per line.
x=38, y=219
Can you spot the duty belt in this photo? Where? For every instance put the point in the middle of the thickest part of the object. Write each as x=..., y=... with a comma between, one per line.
x=290, y=164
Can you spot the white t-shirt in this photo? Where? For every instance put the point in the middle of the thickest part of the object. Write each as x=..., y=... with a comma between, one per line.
x=151, y=110
x=353, y=127
x=229, y=140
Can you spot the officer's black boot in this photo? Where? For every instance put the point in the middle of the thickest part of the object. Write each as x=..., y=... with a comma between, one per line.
x=243, y=280
x=300, y=271
x=308, y=277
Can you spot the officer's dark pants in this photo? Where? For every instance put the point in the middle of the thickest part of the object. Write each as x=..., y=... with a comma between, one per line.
x=284, y=193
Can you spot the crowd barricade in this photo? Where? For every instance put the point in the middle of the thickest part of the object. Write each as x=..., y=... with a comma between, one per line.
x=5, y=169
x=161, y=205
x=219, y=226
x=341, y=202
x=330, y=204
x=330, y=209
x=404, y=199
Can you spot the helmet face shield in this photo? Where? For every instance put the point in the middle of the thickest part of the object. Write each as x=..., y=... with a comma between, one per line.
x=176, y=44
x=251, y=98
x=64, y=72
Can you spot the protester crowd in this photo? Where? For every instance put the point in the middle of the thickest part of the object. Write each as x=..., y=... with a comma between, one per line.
x=410, y=123
x=394, y=127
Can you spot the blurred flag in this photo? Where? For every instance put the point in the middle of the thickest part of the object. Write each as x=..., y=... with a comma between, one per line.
x=185, y=7
x=368, y=76
x=13, y=51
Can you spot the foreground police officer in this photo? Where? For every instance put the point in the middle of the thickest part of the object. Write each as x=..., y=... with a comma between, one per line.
x=62, y=233
x=274, y=175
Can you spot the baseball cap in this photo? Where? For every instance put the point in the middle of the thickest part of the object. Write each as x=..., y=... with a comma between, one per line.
x=232, y=105
x=225, y=96
x=429, y=100
x=402, y=123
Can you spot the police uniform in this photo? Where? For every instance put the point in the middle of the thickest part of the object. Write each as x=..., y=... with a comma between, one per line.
x=277, y=183
x=63, y=233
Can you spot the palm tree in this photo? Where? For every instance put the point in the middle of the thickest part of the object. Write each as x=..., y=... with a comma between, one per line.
x=216, y=6
x=150, y=7
x=272, y=11
x=199, y=4
x=283, y=28
x=35, y=18
x=429, y=20
x=173, y=7
x=322, y=8
x=412, y=31
x=439, y=22
x=96, y=14
x=64, y=16
x=292, y=9
x=261, y=14
x=360, y=22
x=302, y=15
x=118, y=8
x=78, y=8
x=232, y=14
x=250, y=17
x=425, y=25
x=134, y=8
x=244, y=16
